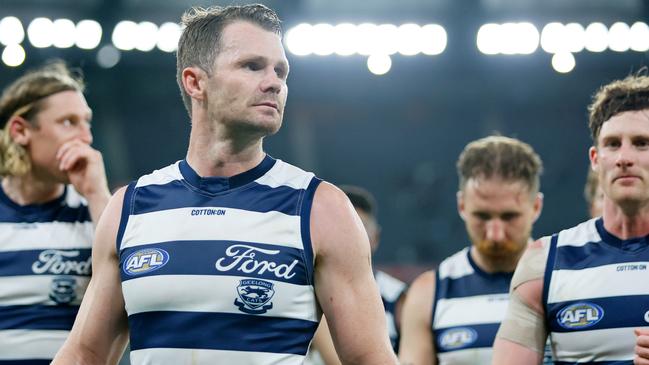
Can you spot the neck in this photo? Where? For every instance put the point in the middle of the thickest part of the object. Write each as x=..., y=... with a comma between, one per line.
x=626, y=220
x=26, y=189
x=493, y=265
x=214, y=150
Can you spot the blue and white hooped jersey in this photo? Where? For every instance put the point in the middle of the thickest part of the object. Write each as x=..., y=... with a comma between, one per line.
x=219, y=270
x=468, y=307
x=391, y=289
x=44, y=271
x=596, y=291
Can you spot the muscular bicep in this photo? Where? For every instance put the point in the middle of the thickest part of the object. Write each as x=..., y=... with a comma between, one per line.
x=344, y=282
x=99, y=333
x=416, y=345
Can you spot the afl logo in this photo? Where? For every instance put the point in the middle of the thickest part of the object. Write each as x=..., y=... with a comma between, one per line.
x=580, y=315
x=145, y=260
x=457, y=338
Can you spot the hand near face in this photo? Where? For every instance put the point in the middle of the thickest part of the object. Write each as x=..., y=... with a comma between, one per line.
x=641, y=347
x=84, y=166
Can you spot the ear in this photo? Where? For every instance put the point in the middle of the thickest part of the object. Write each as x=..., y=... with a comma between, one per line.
x=19, y=130
x=538, y=205
x=194, y=81
x=594, y=161
x=460, y=204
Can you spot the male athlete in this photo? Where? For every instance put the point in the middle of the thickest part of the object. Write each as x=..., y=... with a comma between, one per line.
x=451, y=316
x=53, y=189
x=586, y=287
x=227, y=256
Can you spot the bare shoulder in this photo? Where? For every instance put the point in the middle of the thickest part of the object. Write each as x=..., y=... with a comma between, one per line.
x=529, y=274
x=334, y=223
x=109, y=223
x=423, y=283
x=420, y=295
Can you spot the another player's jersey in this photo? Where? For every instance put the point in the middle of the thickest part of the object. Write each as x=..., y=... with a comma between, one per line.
x=595, y=293
x=468, y=307
x=44, y=272
x=391, y=290
x=219, y=270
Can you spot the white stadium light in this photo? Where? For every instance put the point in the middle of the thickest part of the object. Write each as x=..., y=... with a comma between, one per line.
x=124, y=35
x=640, y=37
x=345, y=39
x=574, y=37
x=508, y=38
x=88, y=34
x=63, y=33
x=619, y=37
x=298, y=39
x=11, y=31
x=40, y=32
x=596, y=37
x=552, y=37
x=13, y=55
x=408, y=35
x=146, y=36
x=367, y=40
x=387, y=39
x=433, y=39
x=488, y=39
x=563, y=62
x=379, y=64
x=322, y=39
x=168, y=36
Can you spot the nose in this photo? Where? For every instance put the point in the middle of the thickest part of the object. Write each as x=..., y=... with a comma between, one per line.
x=272, y=82
x=495, y=230
x=85, y=134
x=624, y=157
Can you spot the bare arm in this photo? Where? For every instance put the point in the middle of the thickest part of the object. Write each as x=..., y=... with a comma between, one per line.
x=345, y=285
x=323, y=343
x=85, y=168
x=522, y=334
x=99, y=333
x=416, y=345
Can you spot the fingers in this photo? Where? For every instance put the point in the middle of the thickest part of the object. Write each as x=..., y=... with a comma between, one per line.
x=642, y=346
x=72, y=153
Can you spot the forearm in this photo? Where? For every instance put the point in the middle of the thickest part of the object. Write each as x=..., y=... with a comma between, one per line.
x=97, y=202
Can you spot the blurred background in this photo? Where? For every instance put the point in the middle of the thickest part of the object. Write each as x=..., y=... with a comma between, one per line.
x=382, y=94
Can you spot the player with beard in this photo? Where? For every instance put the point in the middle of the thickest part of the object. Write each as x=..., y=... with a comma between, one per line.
x=451, y=316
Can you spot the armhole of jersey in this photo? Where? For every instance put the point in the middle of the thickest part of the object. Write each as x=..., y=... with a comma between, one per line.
x=549, y=266
x=126, y=212
x=432, y=315
x=305, y=226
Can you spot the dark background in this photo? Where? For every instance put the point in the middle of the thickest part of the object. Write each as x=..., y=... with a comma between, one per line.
x=398, y=135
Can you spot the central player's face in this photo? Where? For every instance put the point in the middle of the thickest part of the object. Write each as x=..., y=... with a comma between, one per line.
x=64, y=116
x=621, y=157
x=498, y=215
x=247, y=86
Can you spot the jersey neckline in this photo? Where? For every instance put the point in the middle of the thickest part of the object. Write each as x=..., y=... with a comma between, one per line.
x=220, y=184
x=28, y=208
x=630, y=245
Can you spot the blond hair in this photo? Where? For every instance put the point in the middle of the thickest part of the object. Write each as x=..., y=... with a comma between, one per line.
x=24, y=98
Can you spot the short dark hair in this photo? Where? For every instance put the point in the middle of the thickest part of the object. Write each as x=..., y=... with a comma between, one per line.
x=361, y=199
x=629, y=94
x=507, y=158
x=200, y=40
